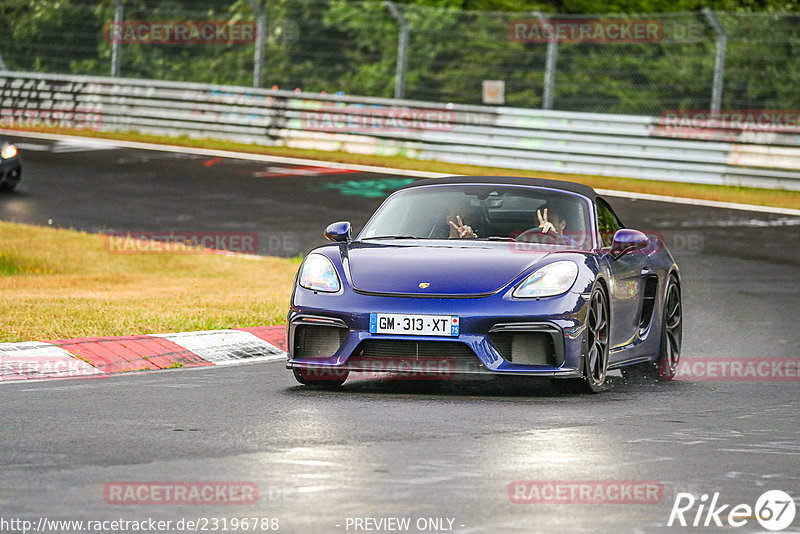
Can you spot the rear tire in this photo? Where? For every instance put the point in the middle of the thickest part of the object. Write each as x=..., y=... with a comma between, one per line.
x=322, y=378
x=595, y=361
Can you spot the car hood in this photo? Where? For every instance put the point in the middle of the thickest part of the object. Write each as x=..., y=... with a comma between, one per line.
x=449, y=270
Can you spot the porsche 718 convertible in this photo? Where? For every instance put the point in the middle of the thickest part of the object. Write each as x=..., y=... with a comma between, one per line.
x=500, y=275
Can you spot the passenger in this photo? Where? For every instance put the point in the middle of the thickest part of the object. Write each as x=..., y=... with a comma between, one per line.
x=459, y=219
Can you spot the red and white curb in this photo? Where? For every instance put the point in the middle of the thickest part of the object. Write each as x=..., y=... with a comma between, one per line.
x=98, y=356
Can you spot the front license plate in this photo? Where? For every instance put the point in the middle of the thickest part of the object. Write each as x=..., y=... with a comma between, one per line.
x=420, y=325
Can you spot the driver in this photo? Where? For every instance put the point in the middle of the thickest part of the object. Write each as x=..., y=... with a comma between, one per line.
x=552, y=223
x=556, y=222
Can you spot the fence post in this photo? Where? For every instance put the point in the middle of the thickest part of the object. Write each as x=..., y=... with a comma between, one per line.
x=2, y=63
x=258, y=53
x=719, y=60
x=549, y=66
x=116, y=37
x=402, y=51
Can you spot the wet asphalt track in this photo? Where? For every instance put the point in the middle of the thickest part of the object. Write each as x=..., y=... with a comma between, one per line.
x=384, y=449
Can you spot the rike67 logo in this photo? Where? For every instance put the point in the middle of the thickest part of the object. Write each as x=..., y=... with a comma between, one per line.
x=774, y=510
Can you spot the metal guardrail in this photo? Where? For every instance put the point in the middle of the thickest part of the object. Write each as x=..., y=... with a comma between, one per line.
x=568, y=142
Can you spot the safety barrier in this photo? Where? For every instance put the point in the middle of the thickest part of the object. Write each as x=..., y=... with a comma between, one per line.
x=656, y=148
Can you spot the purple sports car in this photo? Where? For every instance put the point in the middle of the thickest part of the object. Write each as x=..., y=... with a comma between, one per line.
x=510, y=276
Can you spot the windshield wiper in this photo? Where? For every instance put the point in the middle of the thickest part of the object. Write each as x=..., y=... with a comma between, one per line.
x=391, y=237
x=497, y=238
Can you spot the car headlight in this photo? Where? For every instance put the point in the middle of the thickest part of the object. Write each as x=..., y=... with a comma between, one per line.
x=318, y=274
x=8, y=151
x=552, y=279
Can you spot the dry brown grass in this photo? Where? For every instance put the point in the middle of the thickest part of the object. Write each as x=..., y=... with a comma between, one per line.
x=62, y=284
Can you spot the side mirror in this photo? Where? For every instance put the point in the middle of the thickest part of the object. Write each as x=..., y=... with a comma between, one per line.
x=338, y=231
x=627, y=240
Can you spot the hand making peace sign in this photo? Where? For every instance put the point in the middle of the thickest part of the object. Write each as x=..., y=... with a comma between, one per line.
x=458, y=229
x=544, y=224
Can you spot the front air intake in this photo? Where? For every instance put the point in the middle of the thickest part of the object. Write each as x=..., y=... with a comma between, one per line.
x=317, y=341
x=525, y=348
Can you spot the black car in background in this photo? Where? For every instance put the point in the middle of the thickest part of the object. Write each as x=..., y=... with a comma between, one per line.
x=10, y=168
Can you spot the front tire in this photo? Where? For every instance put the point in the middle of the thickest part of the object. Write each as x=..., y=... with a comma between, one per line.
x=669, y=352
x=13, y=178
x=595, y=362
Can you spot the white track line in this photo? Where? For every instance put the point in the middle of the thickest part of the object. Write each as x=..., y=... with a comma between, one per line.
x=228, y=154
x=376, y=169
x=699, y=202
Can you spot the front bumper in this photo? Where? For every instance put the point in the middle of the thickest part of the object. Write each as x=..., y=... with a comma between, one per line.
x=498, y=334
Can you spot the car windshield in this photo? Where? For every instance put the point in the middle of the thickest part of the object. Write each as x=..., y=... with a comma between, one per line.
x=491, y=212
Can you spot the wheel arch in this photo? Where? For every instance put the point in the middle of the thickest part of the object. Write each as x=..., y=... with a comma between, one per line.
x=672, y=272
x=601, y=280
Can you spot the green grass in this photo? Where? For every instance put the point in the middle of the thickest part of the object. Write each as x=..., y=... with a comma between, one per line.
x=57, y=284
